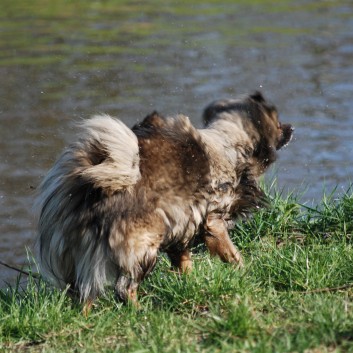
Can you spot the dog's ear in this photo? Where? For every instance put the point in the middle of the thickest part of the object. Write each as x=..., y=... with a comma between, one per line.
x=151, y=121
x=258, y=97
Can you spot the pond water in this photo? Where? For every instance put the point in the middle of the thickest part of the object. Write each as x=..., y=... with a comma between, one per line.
x=62, y=61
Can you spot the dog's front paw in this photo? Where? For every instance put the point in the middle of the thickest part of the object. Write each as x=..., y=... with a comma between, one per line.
x=234, y=257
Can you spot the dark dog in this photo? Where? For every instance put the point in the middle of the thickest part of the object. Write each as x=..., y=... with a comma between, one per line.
x=117, y=197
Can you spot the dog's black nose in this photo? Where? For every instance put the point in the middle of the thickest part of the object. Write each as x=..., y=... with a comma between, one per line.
x=286, y=136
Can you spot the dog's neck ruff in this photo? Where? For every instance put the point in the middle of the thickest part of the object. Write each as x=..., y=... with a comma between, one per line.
x=227, y=141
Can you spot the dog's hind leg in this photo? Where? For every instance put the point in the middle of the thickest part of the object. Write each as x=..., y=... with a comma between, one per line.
x=126, y=289
x=218, y=242
x=87, y=306
x=131, y=275
x=75, y=296
x=181, y=260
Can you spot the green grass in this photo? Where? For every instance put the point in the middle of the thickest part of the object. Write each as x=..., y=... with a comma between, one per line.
x=292, y=295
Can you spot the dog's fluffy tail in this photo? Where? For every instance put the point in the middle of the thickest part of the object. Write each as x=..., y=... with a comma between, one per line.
x=104, y=160
x=112, y=155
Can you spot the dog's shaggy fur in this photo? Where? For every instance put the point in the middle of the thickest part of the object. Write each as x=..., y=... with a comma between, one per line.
x=117, y=197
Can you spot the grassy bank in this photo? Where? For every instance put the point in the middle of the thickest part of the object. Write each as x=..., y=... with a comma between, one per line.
x=293, y=295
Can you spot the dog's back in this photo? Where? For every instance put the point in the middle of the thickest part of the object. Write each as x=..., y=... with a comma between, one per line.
x=175, y=171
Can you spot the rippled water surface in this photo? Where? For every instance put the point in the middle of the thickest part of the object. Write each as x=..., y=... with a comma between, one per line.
x=62, y=61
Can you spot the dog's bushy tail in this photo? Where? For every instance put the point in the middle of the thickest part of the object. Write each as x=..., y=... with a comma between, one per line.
x=103, y=161
x=110, y=157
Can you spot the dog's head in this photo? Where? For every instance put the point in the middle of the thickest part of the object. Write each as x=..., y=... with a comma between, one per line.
x=259, y=120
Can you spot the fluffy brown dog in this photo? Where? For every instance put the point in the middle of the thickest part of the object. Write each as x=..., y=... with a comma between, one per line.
x=117, y=197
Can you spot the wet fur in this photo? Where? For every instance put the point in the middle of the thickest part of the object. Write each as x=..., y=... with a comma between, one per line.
x=117, y=197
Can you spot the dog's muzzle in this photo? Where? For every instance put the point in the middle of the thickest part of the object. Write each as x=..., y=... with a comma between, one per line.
x=286, y=135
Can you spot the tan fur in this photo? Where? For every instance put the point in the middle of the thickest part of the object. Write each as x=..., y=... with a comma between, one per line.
x=117, y=197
